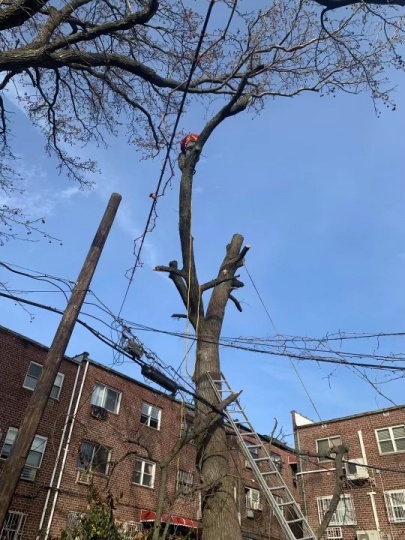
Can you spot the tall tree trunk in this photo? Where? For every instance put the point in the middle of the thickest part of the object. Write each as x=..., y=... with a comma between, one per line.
x=219, y=511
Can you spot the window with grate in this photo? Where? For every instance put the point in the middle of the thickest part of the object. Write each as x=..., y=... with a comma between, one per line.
x=106, y=397
x=150, y=416
x=144, y=473
x=13, y=526
x=93, y=457
x=395, y=503
x=34, y=458
x=185, y=481
x=34, y=373
x=391, y=439
x=324, y=445
x=344, y=514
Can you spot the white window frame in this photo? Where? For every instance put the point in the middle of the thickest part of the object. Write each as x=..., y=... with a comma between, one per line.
x=29, y=471
x=100, y=400
x=185, y=481
x=252, y=497
x=331, y=444
x=89, y=466
x=146, y=414
x=344, y=514
x=391, y=439
x=13, y=525
x=395, y=499
x=142, y=473
x=59, y=376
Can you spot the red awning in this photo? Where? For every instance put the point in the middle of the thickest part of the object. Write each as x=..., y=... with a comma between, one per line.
x=292, y=459
x=147, y=515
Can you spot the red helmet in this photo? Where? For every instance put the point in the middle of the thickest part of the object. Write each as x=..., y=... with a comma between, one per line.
x=188, y=141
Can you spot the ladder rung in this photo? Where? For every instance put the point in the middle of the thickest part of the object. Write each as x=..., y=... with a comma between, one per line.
x=275, y=488
x=254, y=445
x=269, y=472
x=260, y=459
x=286, y=503
x=295, y=520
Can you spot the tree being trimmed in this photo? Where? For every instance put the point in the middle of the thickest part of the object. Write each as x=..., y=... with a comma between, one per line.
x=84, y=69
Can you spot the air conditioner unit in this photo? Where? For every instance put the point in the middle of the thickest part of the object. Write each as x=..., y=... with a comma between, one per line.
x=368, y=535
x=355, y=469
x=84, y=477
x=247, y=464
x=250, y=513
x=28, y=473
x=98, y=412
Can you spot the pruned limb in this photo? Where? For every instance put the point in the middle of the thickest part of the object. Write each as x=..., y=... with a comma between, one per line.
x=171, y=270
x=236, y=302
x=340, y=451
x=242, y=253
x=214, y=282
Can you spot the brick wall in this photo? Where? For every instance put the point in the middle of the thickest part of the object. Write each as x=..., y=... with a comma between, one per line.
x=321, y=482
x=16, y=353
x=126, y=438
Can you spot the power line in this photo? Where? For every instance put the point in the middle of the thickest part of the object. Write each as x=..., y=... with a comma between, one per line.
x=291, y=362
x=228, y=345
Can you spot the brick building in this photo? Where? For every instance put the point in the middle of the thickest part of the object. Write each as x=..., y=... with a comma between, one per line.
x=372, y=506
x=107, y=432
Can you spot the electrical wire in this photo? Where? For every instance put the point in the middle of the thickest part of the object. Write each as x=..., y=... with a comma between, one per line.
x=291, y=362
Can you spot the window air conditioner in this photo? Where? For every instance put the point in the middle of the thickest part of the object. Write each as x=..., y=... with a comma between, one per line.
x=98, y=412
x=368, y=535
x=250, y=513
x=247, y=464
x=84, y=477
x=355, y=469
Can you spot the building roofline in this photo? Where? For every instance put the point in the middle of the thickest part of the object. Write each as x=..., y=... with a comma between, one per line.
x=350, y=417
x=33, y=342
x=275, y=442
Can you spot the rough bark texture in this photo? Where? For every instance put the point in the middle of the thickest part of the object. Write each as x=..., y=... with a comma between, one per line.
x=220, y=518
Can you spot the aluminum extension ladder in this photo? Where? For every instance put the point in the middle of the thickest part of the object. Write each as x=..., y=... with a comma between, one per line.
x=288, y=513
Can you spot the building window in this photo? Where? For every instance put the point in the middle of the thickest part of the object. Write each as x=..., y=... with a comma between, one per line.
x=391, y=439
x=144, y=473
x=34, y=458
x=344, y=514
x=395, y=502
x=150, y=416
x=253, y=449
x=93, y=457
x=185, y=481
x=324, y=445
x=34, y=373
x=252, y=499
x=276, y=459
x=13, y=526
x=106, y=397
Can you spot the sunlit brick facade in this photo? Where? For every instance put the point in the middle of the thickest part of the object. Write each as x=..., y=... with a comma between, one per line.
x=109, y=433
x=373, y=502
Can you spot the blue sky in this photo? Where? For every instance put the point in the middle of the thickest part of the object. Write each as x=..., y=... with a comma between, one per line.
x=316, y=186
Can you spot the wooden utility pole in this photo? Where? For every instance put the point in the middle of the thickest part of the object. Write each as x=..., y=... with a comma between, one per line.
x=16, y=460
